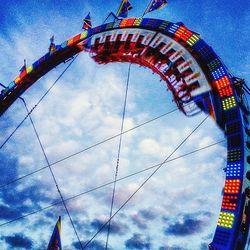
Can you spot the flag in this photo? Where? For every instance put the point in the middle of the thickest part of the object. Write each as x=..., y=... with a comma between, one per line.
x=155, y=5
x=87, y=22
x=124, y=8
x=24, y=66
x=55, y=240
x=52, y=46
x=52, y=39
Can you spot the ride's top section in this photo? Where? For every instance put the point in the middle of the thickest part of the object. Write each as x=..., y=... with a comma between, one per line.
x=183, y=60
x=159, y=52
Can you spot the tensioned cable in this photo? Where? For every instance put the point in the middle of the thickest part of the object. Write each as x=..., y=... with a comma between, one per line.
x=109, y=183
x=118, y=155
x=88, y=148
x=39, y=101
x=144, y=182
x=52, y=173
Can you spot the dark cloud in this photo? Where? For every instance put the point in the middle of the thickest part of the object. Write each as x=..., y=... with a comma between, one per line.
x=16, y=196
x=143, y=217
x=94, y=245
x=138, y=241
x=83, y=225
x=21, y=202
x=8, y=166
x=16, y=193
x=187, y=227
x=115, y=228
x=18, y=240
x=147, y=214
x=8, y=213
x=34, y=193
x=140, y=222
x=165, y=219
x=21, y=198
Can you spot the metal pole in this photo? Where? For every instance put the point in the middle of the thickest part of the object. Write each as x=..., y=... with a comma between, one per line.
x=144, y=13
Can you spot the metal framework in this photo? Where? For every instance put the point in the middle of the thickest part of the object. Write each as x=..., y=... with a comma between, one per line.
x=198, y=80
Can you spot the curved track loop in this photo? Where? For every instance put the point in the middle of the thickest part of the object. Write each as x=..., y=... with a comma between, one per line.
x=198, y=80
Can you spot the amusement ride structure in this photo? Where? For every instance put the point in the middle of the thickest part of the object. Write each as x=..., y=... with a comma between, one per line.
x=198, y=80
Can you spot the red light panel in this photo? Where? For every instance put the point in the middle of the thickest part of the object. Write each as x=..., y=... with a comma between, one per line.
x=223, y=86
x=226, y=91
x=222, y=82
x=229, y=202
x=183, y=33
x=73, y=40
x=127, y=22
x=23, y=73
x=232, y=186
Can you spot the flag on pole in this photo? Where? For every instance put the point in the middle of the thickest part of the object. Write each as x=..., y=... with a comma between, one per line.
x=52, y=46
x=155, y=5
x=52, y=39
x=55, y=240
x=125, y=6
x=24, y=66
x=87, y=22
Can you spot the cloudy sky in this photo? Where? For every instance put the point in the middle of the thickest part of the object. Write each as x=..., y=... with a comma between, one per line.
x=179, y=206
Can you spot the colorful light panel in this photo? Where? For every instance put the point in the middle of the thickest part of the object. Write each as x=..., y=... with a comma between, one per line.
x=232, y=186
x=192, y=40
x=214, y=64
x=234, y=155
x=229, y=202
x=233, y=170
x=84, y=34
x=226, y=220
x=23, y=73
x=11, y=85
x=29, y=69
x=127, y=22
x=228, y=91
x=218, y=73
x=228, y=103
x=223, y=86
x=183, y=33
x=17, y=80
x=222, y=82
x=74, y=39
x=172, y=29
x=164, y=25
x=137, y=21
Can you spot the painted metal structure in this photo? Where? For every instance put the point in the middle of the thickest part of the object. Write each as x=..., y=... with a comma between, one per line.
x=198, y=80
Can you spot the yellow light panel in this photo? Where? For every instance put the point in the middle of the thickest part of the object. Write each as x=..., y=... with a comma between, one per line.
x=226, y=220
x=228, y=103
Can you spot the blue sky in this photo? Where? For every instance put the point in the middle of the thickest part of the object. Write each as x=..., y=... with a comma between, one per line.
x=178, y=208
